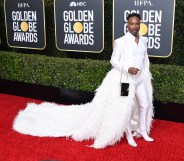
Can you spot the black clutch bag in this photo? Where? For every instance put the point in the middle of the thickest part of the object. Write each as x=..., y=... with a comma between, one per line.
x=124, y=89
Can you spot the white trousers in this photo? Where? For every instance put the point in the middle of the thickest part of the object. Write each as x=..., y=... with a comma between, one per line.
x=141, y=94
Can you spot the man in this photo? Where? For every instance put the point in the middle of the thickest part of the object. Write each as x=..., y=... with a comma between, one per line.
x=130, y=57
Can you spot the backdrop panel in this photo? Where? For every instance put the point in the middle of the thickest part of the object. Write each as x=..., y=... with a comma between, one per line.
x=79, y=25
x=25, y=23
x=157, y=23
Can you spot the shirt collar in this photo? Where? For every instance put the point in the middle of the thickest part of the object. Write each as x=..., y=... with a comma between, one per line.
x=132, y=37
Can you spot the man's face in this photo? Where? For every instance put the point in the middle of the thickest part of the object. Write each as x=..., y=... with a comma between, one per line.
x=134, y=25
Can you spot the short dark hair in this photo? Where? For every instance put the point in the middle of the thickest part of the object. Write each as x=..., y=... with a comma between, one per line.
x=133, y=15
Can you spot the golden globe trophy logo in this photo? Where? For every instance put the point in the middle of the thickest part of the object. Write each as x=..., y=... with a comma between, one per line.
x=79, y=25
x=25, y=24
x=157, y=23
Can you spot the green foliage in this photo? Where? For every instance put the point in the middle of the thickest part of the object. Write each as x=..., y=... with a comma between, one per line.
x=168, y=83
x=84, y=75
x=51, y=71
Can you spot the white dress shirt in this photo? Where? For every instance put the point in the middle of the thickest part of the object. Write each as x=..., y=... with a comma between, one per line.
x=138, y=51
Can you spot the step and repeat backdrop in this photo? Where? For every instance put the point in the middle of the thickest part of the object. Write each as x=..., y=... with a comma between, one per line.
x=79, y=24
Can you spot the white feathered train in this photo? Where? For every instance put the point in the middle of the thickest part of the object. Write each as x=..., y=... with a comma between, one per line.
x=104, y=119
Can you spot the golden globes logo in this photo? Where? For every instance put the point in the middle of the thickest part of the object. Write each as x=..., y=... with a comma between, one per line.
x=79, y=27
x=24, y=26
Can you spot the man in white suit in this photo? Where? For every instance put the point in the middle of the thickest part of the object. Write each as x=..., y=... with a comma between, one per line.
x=130, y=57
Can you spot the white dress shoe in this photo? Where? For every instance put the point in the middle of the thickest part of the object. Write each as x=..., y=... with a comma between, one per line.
x=131, y=141
x=144, y=135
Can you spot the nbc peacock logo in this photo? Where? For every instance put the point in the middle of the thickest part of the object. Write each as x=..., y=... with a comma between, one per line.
x=73, y=4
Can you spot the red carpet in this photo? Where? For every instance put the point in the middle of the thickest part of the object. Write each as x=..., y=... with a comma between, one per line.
x=168, y=145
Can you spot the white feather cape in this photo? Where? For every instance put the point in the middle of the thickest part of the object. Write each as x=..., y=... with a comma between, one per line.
x=104, y=119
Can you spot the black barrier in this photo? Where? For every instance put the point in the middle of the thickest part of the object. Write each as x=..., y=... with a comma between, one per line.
x=79, y=25
x=25, y=23
x=157, y=23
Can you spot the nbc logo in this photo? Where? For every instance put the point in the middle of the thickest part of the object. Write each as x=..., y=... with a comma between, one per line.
x=74, y=4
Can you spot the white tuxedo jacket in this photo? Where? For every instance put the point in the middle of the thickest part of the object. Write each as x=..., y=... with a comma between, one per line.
x=122, y=56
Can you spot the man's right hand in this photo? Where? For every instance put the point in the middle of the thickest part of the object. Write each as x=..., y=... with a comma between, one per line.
x=133, y=70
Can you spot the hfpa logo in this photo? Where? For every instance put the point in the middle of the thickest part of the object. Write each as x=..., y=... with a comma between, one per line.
x=74, y=4
x=142, y=3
